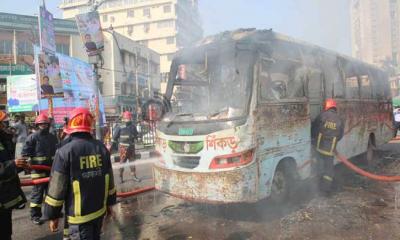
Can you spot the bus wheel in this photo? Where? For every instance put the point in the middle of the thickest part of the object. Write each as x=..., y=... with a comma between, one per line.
x=282, y=184
x=371, y=161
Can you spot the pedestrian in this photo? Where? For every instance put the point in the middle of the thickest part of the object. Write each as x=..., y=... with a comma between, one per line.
x=82, y=179
x=396, y=118
x=11, y=194
x=21, y=133
x=124, y=136
x=327, y=130
x=40, y=147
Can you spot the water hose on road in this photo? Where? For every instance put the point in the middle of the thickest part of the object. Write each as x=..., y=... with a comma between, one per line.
x=47, y=179
x=364, y=173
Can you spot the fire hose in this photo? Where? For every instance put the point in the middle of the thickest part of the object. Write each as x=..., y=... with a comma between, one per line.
x=364, y=173
x=47, y=179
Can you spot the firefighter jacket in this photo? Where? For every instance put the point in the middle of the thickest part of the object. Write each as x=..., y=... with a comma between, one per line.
x=125, y=134
x=11, y=194
x=40, y=147
x=82, y=178
x=327, y=130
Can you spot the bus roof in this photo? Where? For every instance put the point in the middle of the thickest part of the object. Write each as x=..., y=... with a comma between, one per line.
x=259, y=36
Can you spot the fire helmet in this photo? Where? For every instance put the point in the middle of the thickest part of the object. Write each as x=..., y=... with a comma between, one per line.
x=80, y=120
x=3, y=116
x=127, y=116
x=42, y=119
x=330, y=103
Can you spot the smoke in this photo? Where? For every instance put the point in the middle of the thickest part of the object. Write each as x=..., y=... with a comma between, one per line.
x=135, y=163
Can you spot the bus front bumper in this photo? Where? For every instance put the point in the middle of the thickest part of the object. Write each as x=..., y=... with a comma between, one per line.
x=231, y=186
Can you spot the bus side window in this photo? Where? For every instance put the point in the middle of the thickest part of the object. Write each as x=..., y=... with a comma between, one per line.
x=272, y=82
x=352, y=90
x=365, y=87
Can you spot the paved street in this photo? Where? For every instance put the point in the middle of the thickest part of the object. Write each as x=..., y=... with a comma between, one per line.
x=361, y=209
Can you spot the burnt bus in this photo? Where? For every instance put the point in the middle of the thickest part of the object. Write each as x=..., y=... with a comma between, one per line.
x=242, y=107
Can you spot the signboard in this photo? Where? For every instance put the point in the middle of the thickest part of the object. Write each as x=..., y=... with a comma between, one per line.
x=46, y=30
x=90, y=30
x=15, y=69
x=22, y=93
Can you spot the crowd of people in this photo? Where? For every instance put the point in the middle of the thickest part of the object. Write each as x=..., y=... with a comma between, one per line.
x=81, y=177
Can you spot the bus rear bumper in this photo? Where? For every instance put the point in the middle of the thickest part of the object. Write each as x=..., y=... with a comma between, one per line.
x=232, y=186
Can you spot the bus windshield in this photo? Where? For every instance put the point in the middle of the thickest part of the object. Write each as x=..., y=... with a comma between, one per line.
x=214, y=86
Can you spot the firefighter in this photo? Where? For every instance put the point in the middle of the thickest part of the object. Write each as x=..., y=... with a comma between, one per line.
x=11, y=195
x=40, y=147
x=327, y=130
x=125, y=135
x=82, y=179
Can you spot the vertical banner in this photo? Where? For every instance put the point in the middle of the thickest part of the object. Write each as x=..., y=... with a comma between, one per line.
x=46, y=30
x=90, y=30
x=50, y=76
x=22, y=93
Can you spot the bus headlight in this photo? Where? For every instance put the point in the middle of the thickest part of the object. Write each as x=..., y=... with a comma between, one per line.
x=232, y=160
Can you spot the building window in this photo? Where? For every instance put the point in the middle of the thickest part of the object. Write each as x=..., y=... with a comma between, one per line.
x=170, y=40
x=6, y=46
x=146, y=12
x=130, y=13
x=130, y=30
x=170, y=57
x=165, y=24
x=24, y=48
x=112, y=19
x=146, y=27
x=124, y=88
x=62, y=48
x=105, y=18
x=167, y=8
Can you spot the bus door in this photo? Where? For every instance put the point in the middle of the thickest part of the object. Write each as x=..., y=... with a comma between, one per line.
x=282, y=120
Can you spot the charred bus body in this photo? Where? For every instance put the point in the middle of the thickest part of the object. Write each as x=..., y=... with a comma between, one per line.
x=242, y=107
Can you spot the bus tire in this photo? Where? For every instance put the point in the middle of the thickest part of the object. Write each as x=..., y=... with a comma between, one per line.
x=282, y=183
x=370, y=154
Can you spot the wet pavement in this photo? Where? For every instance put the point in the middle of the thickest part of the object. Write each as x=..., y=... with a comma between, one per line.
x=359, y=209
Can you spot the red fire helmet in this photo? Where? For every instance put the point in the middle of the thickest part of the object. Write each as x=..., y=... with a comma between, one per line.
x=127, y=116
x=80, y=120
x=42, y=118
x=3, y=116
x=330, y=103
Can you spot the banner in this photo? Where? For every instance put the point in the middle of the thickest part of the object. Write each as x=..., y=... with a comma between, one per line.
x=22, y=93
x=50, y=76
x=90, y=30
x=77, y=78
x=46, y=31
x=15, y=69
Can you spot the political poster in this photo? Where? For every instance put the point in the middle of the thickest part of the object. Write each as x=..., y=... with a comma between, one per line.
x=49, y=75
x=46, y=30
x=90, y=30
x=22, y=93
x=77, y=78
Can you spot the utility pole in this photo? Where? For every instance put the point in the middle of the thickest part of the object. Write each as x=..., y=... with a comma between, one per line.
x=137, y=80
x=99, y=136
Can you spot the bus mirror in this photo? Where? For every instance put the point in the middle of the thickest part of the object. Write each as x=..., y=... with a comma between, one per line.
x=153, y=110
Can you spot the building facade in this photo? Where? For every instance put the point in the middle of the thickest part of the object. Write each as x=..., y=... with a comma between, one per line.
x=124, y=60
x=133, y=70
x=375, y=31
x=162, y=25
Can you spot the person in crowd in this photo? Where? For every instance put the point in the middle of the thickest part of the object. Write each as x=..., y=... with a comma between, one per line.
x=124, y=136
x=326, y=131
x=82, y=179
x=40, y=147
x=11, y=194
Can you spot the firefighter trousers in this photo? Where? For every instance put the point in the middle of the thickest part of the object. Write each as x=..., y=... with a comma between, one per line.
x=5, y=224
x=325, y=168
x=38, y=192
x=126, y=153
x=86, y=231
